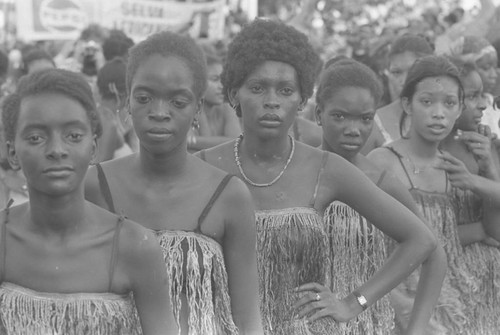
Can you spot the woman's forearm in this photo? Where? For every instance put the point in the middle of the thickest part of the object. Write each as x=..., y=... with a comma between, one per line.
x=471, y=233
x=405, y=258
x=429, y=287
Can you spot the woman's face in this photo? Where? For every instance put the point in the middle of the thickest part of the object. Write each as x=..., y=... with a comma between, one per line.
x=474, y=103
x=269, y=99
x=54, y=143
x=213, y=94
x=163, y=103
x=347, y=119
x=434, y=108
x=487, y=69
x=399, y=65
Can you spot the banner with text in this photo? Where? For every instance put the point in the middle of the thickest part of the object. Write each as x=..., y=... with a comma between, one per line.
x=65, y=19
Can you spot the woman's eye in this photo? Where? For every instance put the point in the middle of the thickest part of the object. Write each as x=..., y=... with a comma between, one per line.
x=34, y=138
x=143, y=99
x=287, y=91
x=338, y=116
x=75, y=136
x=451, y=103
x=256, y=89
x=179, y=103
x=426, y=102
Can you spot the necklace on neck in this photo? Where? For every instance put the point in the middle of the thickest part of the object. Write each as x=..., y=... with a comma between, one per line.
x=417, y=169
x=247, y=180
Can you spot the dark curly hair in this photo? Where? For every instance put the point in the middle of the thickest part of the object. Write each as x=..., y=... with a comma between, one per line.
x=168, y=44
x=58, y=81
x=464, y=67
x=116, y=45
x=264, y=40
x=346, y=72
x=34, y=55
x=410, y=43
x=428, y=67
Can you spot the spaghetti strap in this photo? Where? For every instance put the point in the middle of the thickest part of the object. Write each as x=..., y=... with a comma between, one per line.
x=400, y=157
x=114, y=251
x=203, y=155
x=4, y=240
x=212, y=200
x=381, y=178
x=105, y=190
x=320, y=172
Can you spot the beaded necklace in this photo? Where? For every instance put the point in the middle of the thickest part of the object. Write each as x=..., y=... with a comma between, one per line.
x=238, y=163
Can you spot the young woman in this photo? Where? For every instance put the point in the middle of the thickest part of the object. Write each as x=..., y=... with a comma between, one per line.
x=202, y=218
x=403, y=53
x=68, y=266
x=217, y=122
x=268, y=76
x=346, y=99
x=480, y=52
x=432, y=98
x=473, y=170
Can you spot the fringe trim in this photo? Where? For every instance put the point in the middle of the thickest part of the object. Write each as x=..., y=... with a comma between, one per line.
x=24, y=311
x=196, y=268
x=450, y=312
x=292, y=249
x=358, y=251
x=483, y=263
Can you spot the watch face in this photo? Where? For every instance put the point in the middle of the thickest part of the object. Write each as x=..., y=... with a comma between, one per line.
x=362, y=301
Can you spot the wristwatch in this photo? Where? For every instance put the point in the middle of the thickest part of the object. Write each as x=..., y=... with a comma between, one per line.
x=361, y=300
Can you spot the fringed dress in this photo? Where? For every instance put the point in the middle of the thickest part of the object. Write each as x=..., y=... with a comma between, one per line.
x=24, y=311
x=197, y=274
x=357, y=252
x=449, y=316
x=292, y=250
x=483, y=261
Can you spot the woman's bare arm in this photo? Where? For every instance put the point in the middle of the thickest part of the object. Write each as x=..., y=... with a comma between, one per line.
x=240, y=256
x=433, y=268
x=141, y=255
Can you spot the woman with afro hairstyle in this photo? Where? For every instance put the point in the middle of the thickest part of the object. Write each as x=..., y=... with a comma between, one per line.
x=68, y=266
x=346, y=99
x=268, y=76
x=475, y=177
x=202, y=217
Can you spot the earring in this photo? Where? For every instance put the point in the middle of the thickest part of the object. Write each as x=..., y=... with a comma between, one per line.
x=319, y=123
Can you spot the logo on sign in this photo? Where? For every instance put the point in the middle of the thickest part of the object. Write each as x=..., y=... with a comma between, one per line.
x=62, y=16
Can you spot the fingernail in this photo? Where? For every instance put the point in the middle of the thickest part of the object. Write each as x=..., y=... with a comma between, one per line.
x=459, y=132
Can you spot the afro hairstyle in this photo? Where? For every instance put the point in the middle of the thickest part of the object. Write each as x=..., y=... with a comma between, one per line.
x=410, y=43
x=266, y=40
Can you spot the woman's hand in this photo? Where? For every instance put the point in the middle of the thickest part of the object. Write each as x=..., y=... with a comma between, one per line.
x=458, y=174
x=490, y=241
x=319, y=302
x=479, y=144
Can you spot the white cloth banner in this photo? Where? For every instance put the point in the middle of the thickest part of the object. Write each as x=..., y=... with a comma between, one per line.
x=65, y=19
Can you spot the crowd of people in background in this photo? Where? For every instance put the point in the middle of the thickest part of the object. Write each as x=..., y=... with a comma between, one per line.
x=265, y=184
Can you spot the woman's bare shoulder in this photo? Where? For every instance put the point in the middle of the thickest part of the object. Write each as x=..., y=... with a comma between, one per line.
x=384, y=157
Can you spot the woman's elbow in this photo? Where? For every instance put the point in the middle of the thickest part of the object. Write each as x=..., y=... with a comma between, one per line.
x=427, y=242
